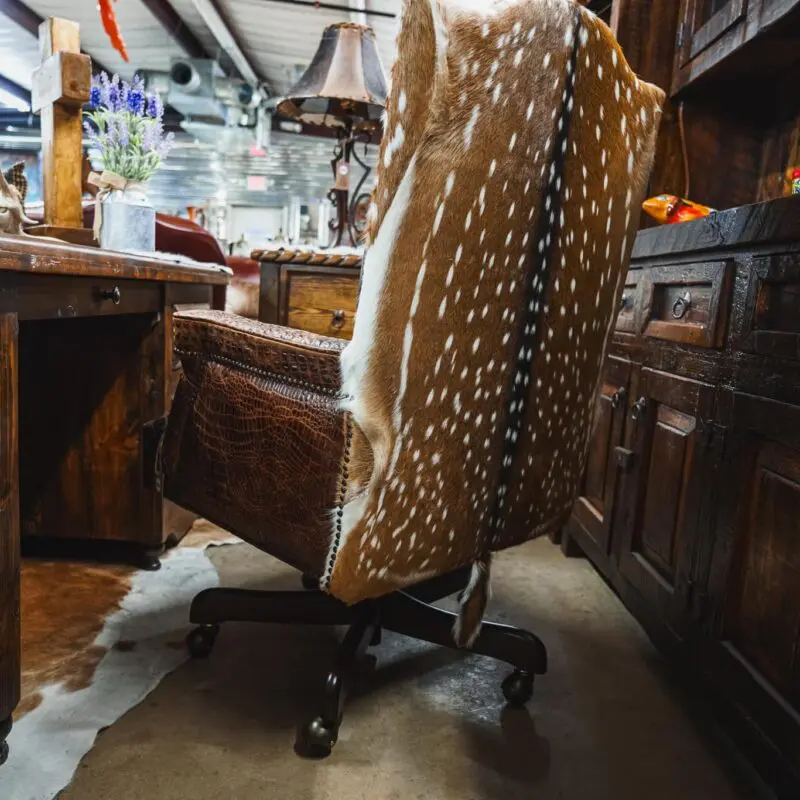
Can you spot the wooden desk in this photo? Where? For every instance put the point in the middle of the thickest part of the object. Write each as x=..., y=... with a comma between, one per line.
x=85, y=364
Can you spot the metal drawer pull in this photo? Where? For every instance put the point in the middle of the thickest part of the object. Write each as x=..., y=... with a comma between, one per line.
x=625, y=302
x=681, y=306
x=638, y=408
x=618, y=398
x=337, y=318
x=114, y=295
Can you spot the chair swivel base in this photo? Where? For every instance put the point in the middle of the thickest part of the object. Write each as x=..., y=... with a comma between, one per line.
x=407, y=612
x=5, y=729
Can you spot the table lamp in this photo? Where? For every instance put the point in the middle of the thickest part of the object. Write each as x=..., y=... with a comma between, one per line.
x=344, y=88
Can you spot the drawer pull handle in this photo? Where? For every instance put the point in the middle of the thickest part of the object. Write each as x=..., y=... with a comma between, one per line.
x=337, y=319
x=638, y=408
x=625, y=302
x=618, y=398
x=681, y=306
x=114, y=295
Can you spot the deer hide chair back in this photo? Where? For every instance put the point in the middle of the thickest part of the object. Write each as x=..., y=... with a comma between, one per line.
x=516, y=152
x=517, y=149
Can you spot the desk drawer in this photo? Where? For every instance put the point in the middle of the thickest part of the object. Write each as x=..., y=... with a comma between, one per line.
x=322, y=303
x=688, y=303
x=57, y=297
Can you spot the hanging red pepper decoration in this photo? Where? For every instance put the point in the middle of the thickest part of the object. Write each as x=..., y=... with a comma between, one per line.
x=111, y=27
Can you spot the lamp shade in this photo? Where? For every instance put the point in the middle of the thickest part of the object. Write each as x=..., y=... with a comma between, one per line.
x=344, y=85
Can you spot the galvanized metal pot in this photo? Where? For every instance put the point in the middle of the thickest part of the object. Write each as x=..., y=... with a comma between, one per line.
x=128, y=222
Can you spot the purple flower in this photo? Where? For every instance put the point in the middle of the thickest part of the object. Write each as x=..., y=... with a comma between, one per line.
x=150, y=137
x=123, y=134
x=135, y=102
x=111, y=132
x=155, y=108
x=95, y=93
x=113, y=97
x=105, y=85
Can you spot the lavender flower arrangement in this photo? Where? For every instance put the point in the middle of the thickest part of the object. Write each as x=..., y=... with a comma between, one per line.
x=126, y=125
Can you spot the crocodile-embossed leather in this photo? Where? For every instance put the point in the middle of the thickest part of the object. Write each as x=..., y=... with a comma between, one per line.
x=256, y=441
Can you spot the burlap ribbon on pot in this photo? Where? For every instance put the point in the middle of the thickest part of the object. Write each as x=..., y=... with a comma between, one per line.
x=108, y=182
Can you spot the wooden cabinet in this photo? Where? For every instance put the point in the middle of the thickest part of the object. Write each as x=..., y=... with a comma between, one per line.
x=728, y=134
x=710, y=31
x=658, y=527
x=690, y=500
x=310, y=290
x=593, y=510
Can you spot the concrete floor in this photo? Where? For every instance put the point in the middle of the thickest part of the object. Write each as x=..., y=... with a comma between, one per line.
x=605, y=723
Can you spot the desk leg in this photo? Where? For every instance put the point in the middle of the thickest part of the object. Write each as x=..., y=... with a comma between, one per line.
x=9, y=528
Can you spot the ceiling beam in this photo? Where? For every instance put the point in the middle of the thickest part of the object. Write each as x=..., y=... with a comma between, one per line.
x=14, y=89
x=335, y=7
x=30, y=21
x=216, y=23
x=171, y=22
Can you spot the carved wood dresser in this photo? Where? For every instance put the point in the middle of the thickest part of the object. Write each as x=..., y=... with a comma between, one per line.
x=690, y=504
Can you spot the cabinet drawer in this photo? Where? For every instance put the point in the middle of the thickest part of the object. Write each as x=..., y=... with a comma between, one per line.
x=323, y=304
x=629, y=303
x=773, y=326
x=688, y=303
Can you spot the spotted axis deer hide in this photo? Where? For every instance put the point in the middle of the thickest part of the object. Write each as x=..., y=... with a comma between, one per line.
x=517, y=149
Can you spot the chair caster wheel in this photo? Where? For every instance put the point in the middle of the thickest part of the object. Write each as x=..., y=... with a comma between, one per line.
x=518, y=688
x=310, y=583
x=3, y=752
x=317, y=739
x=200, y=641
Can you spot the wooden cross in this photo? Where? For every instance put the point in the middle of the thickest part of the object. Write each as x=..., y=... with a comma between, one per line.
x=60, y=89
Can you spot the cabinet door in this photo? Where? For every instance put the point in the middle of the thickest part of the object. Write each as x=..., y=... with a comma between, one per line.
x=593, y=511
x=750, y=652
x=660, y=520
x=708, y=31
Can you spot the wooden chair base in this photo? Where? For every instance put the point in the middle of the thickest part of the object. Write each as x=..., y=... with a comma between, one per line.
x=407, y=612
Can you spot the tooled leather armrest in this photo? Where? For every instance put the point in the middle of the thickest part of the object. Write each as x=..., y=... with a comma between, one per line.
x=297, y=357
x=256, y=441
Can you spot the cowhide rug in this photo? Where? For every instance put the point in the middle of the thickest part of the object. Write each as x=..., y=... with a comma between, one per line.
x=96, y=640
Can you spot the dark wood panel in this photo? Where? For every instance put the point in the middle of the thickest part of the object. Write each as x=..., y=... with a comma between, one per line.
x=630, y=303
x=81, y=468
x=60, y=297
x=658, y=526
x=747, y=226
x=9, y=519
x=688, y=303
x=594, y=507
x=660, y=538
x=714, y=18
x=763, y=606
